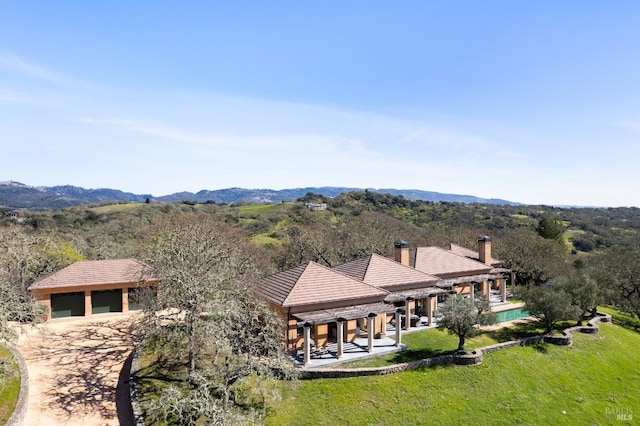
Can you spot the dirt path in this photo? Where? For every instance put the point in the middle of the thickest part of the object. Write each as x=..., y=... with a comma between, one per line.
x=75, y=371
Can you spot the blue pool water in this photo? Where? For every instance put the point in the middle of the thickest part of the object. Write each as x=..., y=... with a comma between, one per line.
x=512, y=314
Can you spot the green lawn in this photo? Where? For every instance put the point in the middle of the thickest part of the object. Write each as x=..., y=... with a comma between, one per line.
x=9, y=384
x=544, y=384
x=434, y=342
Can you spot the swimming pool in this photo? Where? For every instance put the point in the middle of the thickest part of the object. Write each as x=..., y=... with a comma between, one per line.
x=512, y=314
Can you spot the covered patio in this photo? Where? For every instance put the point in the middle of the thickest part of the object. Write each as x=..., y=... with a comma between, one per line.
x=351, y=351
x=359, y=347
x=419, y=304
x=351, y=324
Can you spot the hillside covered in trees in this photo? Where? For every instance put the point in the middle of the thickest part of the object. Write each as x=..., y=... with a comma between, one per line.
x=353, y=224
x=590, y=255
x=111, y=230
x=541, y=243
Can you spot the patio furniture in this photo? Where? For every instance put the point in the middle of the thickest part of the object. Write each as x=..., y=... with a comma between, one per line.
x=318, y=351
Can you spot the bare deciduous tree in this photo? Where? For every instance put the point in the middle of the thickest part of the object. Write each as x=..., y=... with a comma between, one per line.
x=205, y=307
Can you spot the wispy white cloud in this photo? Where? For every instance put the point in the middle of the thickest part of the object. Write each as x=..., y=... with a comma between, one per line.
x=10, y=96
x=11, y=62
x=314, y=143
x=209, y=141
x=632, y=124
x=32, y=72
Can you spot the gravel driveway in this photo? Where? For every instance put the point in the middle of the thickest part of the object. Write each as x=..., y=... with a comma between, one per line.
x=76, y=374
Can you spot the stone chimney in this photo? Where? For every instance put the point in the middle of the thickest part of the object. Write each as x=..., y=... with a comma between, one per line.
x=484, y=249
x=402, y=252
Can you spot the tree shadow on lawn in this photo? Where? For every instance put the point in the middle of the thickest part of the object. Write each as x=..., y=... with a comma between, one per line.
x=626, y=322
x=409, y=355
x=88, y=362
x=157, y=370
x=540, y=347
x=524, y=330
x=519, y=331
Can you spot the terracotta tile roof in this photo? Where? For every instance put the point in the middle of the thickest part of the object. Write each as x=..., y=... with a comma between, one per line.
x=386, y=273
x=92, y=273
x=471, y=254
x=310, y=284
x=445, y=263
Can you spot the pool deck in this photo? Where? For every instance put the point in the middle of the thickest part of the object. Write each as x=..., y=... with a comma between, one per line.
x=505, y=306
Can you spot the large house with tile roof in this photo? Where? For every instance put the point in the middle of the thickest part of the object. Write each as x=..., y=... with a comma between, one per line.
x=318, y=304
x=91, y=287
x=361, y=297
x=315, y=296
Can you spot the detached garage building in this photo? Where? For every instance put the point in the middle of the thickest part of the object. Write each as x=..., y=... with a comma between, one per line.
x=92, y=287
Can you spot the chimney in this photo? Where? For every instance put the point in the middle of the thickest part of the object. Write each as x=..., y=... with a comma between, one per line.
x=402, y=252
x=484, y=249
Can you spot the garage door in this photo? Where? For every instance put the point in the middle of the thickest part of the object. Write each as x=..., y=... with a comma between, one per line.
x=104, y=301
x=67, y=305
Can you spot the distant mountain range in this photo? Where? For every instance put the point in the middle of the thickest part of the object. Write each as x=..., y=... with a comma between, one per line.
x=15, y=195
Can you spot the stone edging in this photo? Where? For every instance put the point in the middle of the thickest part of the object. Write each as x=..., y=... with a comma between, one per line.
x=133, y=391
x=20, y=410
x=475, y=357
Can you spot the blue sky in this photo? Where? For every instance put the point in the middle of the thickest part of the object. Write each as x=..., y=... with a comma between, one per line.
x=536, y=102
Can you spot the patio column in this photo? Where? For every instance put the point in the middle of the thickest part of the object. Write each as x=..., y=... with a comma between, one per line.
x=430, y=309
x=125, y=300
x=340, y=337
x=87, y=303
x=487, y=289
x=370, y=330
x=44, y=300
x=472, y=291
x=307, y=343
x=407, y=313
x=398, y=329
x=503, y=289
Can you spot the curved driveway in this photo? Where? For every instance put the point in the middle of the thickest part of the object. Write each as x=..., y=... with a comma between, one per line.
x=74, y=371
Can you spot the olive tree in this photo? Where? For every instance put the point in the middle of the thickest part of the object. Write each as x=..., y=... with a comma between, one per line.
x=549, y=303
x=461, y=317
x=583, y=291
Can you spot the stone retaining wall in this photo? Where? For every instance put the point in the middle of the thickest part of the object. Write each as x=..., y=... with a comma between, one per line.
x=566, y=339
x=20, y=410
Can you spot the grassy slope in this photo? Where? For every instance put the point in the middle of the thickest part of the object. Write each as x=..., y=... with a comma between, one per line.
x=434, y=342
x=10, y=388
x=523, y=385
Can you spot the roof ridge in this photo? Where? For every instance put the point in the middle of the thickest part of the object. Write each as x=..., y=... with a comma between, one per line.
x=461, y=256
x=303, y=267
x=406, y=266
x=360, y=281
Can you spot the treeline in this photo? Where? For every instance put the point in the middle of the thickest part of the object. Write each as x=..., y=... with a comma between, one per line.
x=540, y=242
x=568, y=261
